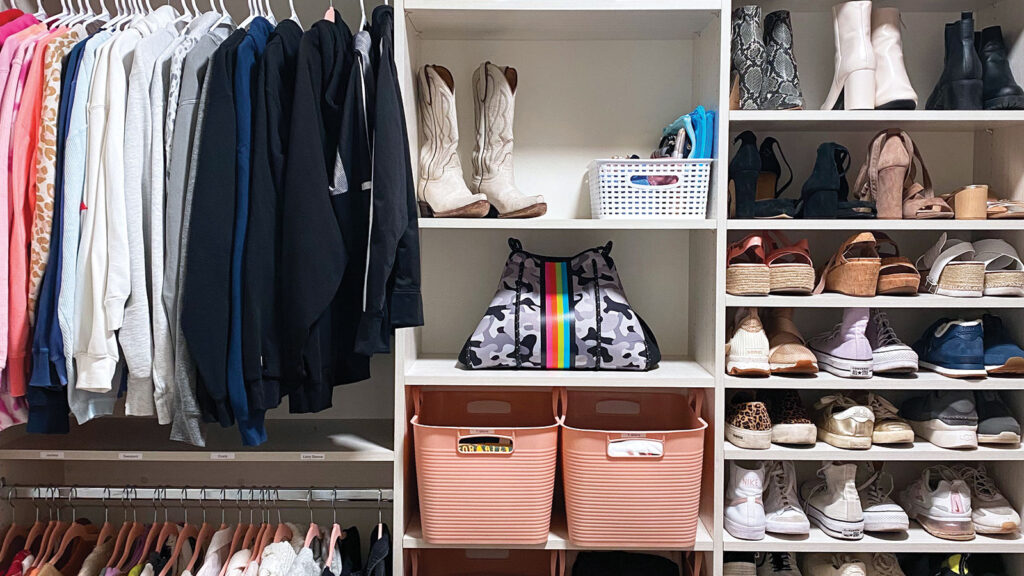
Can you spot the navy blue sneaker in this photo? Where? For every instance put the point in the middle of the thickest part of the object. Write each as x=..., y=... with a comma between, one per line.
x=1002, y=355
x=954, y=348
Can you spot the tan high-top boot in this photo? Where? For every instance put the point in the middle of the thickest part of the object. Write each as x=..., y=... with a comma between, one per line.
x=442, y=191
x=493, y=172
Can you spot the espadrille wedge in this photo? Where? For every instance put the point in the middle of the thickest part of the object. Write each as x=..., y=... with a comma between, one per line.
x=747, y=273
x=853, y=270
x=950, y=268
x=1004, y=271
x=790, y=267
x=897, y=274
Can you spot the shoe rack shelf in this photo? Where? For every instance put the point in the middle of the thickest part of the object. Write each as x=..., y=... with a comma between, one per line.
x=916, y=539
x=671, y=373
x=919, y=451
x=851, y=120
x=921, y=381
x=938, y=226
x=831, y=300
x=566, y=224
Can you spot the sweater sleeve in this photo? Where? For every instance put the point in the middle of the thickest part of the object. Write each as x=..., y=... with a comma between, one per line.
x=118, y=285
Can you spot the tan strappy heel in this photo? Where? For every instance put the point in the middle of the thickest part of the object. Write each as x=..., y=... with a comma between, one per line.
x=888, y=178
x=853, y=270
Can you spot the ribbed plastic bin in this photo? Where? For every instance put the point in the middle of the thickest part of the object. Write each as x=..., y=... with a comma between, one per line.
x=485, y=465
x=487, y=562
x=632, y=467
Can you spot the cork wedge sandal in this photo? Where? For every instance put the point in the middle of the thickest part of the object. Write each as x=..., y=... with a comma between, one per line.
x=853, y=270
x=1004, y=271
x=949, y=268
x=897, y=275
x=790, y=268
x=747, y=273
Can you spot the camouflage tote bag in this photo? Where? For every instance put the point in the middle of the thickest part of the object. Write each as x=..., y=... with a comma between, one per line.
x=561, y=314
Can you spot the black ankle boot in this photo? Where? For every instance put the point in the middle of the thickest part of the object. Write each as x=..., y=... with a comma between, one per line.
x=960, y=86
x=819, y=197
x=1001, y=90
x=744, y=169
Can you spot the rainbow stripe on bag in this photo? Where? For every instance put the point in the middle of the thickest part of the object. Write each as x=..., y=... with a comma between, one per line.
x=558, y=317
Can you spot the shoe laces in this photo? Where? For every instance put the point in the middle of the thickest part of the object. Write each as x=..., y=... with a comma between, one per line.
x=886, y=335
x=882, y=407
x=980, y=481
x=875, y=492
x=785, y=485
x=837, y=399
x=781, y=562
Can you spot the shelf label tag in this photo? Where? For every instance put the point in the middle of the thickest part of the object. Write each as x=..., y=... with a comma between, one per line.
x=51, y=455
x=129, y=455
x=222, y=456
x=634, y=435
x=312, y=456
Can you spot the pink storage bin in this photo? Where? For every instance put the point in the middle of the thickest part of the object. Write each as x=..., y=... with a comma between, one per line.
x=476, y=562
x=632, y=467
x=485, y=465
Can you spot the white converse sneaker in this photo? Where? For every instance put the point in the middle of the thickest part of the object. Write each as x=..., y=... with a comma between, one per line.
x=783, y=514
x=940, y=501
x=881, y=513
x=744, y=509
x=832, y=502
x=776, y=564
x=833, y=564
x=990, y=510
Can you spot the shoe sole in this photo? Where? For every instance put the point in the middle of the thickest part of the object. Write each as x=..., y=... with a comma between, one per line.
x=1005, y=103
x=477, y=209
x=954, y=372
x=756, y=367
x=1013, y=367
x=1004, y=528
x=744, y=532
x=749, y=439
x=893, y=361
x=801, y=367
x=847, y=442
x=843, y=367
x=903, y=437
x=790, y=528
x=947, y=529
x=794, y=433
x=946, y=435
x=841, y=529
x=886, y=522
x=1001, y=438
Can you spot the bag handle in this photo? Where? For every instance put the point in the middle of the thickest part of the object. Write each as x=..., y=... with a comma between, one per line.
x=515, y=245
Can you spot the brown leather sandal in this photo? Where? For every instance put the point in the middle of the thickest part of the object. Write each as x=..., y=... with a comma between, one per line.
x=746, y=273
x=853, y=270
x=790, y=267
x=897, y=275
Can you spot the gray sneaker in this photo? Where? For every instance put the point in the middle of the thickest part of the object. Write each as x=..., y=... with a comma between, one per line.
x=889, y=354
x=947, y=419
x=996, y=424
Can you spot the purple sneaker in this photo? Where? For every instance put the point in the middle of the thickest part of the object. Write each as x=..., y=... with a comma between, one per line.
x=845, y=350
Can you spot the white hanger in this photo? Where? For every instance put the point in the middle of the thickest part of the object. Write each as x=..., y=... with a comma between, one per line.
x=293, y=16
x=253, y=13
x=268, y=10
x=52, y=21
x=362, y=16
x=40, y=12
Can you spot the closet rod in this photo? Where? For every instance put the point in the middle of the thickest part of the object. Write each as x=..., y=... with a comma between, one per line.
x=214, y=497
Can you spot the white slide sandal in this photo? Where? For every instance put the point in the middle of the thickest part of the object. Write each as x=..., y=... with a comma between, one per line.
x=1004, y=271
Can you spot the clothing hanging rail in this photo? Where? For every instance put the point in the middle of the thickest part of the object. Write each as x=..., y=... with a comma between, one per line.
x=212, y=497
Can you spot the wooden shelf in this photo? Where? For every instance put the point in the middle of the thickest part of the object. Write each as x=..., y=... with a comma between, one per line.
x=914, y=540
x=565, y=224
x=918, y=451
x=291, y=441
x=918, y=381
x=831, y=300
x=871, y=120
x=559, y=19
x=671, y=373
x=858, y=225
x=558, y=539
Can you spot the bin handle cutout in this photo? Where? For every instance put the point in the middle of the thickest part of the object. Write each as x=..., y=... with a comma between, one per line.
x=480, y=554
x=489, y=407
x=635, y=446
x=618, y=407
x=484, y=442
x=661, y=181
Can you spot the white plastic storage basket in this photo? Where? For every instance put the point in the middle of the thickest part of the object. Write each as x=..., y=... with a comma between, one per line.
x=650, y=188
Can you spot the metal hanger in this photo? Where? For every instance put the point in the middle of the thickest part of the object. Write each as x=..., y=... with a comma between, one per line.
x=336, y=533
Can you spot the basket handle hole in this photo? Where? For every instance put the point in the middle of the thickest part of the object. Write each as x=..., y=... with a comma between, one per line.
x=654, y=180
x=489, y=407
x=618, y=407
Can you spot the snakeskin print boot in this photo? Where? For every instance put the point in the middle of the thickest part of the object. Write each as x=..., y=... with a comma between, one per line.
x=781, y=87
x=748, y=58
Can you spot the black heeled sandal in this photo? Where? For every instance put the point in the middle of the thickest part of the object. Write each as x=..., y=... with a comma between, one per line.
x=769, y=204
x=744, y=169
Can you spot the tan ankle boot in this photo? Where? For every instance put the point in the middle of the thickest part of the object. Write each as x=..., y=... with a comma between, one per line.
x=442, y=191
x=493, y=173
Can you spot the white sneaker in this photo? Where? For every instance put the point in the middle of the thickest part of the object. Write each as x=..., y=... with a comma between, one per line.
x=881, y=564
x=832, y=503
x=833, y=564
x=783, y=514
x=738, y=564
x=881, y=513
x=746, y=353
x=776, y=564
x=990, y=510
x=744, y=509
x=941, y=503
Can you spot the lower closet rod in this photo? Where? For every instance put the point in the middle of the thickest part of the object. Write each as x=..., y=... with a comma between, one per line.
x=225, y=495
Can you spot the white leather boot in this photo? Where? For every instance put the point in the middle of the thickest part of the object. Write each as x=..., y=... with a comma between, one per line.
x=855, y=60
x=892, y=85
x=442, y=190
x=493, y=173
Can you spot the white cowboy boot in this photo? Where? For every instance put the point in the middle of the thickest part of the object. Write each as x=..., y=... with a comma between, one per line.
x=442, y=191
x=493, y=173
x=892, y=85
x=855, y=60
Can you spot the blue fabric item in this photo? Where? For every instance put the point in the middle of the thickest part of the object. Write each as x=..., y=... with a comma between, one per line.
x=999, y=345
x=688, y=126
x=47, y=397
x=958, y=348
x=250, y=422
